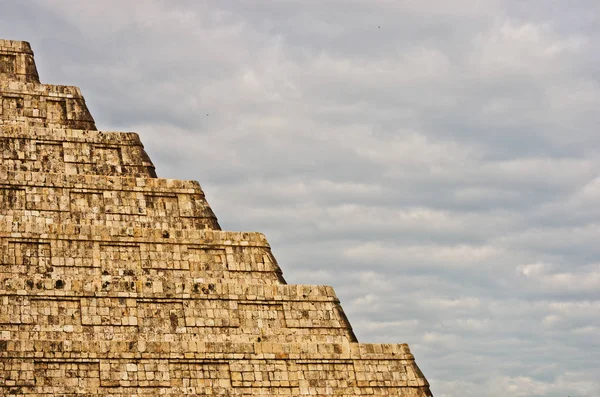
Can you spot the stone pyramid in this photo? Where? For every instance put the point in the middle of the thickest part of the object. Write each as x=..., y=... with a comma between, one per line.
x=114, y=282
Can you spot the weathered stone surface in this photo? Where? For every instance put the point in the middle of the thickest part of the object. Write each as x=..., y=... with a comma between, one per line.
x=116, y=283
x=30, y=197
x=72, y=152
x=17, y=63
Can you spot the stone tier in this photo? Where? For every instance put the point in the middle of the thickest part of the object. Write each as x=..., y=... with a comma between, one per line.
x=36, y=149
x=170, y=265
x=17, y=62
x=44, y=105
x=76, y=245
x=227, y=369
x=208, y=312
x=30, y=198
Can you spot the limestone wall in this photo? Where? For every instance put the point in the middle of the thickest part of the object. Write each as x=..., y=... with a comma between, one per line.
x=202, y=316
x=72, y=152
x=257, y=369
x=16, y=62
x=44, y=105
x=30, y=197
x=93, y=265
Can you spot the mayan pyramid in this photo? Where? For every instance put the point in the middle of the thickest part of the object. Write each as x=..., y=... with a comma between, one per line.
x=114, y=282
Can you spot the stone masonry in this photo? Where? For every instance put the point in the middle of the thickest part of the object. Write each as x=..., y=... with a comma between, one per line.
x=116, y=283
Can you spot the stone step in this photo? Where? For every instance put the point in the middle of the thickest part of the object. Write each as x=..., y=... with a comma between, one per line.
x=139, y=235
x=54, y=349
x=170, y=262
x=24, y=148
x=17, y=62
x=338, y=369
x=30, y=198
x=193, y=289
x=203, y=316
x=44, y=105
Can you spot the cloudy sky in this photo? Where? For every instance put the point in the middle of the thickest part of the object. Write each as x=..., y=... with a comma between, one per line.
x=437, y=162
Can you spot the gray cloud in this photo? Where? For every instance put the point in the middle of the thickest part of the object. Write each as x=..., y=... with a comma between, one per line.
x=436, y=162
